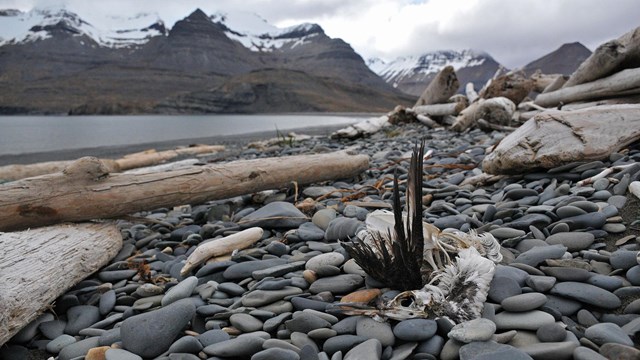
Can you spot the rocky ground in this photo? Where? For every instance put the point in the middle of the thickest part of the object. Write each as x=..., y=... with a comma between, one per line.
x=568, y=286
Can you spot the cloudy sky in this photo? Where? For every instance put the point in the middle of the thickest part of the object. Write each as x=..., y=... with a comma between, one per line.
x=514, y=32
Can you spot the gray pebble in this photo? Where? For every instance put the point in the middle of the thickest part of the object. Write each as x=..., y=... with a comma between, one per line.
x=340, y=284
x=180, y=291
x=473, y=330
x=524, y=302
x=623, y=259
x=537, y=255
x=342, y=343
x=276, y=354
x=587, y=294
x=607, y=333
x=574, y=241
x=80, y=317
x=323, y=217
x=245, y=322
x=551, y=333
x=305, y=322
x=120, y=354
x=530, y=320
x=56, y=345
x=342, y=228
x=310, y=232
x=503, y=287
x=242, y=347
x=277, y=214
x=372, y=329
x=77, y=349
x=331, y=258
x=368, y=350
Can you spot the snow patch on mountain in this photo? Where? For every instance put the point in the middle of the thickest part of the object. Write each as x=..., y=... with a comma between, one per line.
x=256, y=34
x=424, y=65
x=38, y=24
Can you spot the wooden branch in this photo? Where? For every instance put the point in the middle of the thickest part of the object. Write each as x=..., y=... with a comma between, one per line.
x=633, y=99
x=471, y=93
x=441, y=88
x=439, y=109
x=512, y=86
x=608, y=58
x=554, y=138
x=39, y=265
x=495, y=110
x=425, y=120
x=626, y=82
x=542, y=81
x=131, y=161
x=221, y=247
x=85, y=190
x=556, y=84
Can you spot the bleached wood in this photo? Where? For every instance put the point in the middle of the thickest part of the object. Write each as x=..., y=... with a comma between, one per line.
x=513, y=86
x=497, y=110
x=634, y=99
x=471, y=93
x=440, y=109
x=131, y=161
x=441, y=88
x=608, y=58
x=554, y=138
x=556, y=84
x=39, y=265
x=542, y=81
x=220, y=247
x=85, y=190
x=624, y=83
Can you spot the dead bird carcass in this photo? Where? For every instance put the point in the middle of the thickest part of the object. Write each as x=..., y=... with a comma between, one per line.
x=451, y=271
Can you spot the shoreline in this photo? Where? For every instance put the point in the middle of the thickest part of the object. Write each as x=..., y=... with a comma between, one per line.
x=116, y=151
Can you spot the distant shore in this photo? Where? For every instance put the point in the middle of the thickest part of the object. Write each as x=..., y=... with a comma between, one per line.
x=121, y=150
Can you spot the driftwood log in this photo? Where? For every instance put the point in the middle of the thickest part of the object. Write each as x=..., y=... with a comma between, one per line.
x=39, y=265
x=497, y=110
x=131, y=161
x=513, y=86
x=554, y=138
x=453, y=108
x=608, y=58
x=441, y=88
x=471, y=93
x=556, y=84
x=86, y=190
x=542, y=81
x=624, y=83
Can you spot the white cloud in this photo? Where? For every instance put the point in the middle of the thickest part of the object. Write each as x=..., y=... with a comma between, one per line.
x=514, y=32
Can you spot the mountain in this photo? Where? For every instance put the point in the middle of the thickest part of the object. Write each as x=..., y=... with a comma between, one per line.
x=564, y=60
x=412, y=74
x=56, y=61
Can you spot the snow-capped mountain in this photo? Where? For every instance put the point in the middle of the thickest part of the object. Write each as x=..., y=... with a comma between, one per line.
x=101, y=64
x=40, y=24
x=412, y=74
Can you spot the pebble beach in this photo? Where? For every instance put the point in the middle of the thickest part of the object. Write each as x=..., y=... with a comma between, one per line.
x=568, y=286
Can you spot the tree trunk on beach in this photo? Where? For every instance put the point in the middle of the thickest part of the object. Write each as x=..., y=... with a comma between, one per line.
x=624, y=83
x=86, y=190
x=127, y=162
x=553, y=138
x=41, y=264
x=441, y=88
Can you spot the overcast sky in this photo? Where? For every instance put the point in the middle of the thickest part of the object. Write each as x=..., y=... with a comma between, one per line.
x=514, y=32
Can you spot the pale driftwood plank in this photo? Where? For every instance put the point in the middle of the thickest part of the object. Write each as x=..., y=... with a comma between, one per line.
x=39, y=265
x=554, y=138
x=441, y=88
x=85, y=190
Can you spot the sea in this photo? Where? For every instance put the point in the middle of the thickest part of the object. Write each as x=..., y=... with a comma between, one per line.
x=33, y=134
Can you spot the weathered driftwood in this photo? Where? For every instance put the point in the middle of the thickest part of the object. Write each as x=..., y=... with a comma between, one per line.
x=497, y=110
x=471, y=93
x=220, y=247
x=554, y=138
x=39, y=265
x=440, y=109
x=608, y=58
x=624, y=83
x=556, y=84
x=542, y=81
x=85, y=190
x=131, y=161
x=427, y=121
x=633, y=99
x=441, y=88
x=513, y=86
x=362, y=128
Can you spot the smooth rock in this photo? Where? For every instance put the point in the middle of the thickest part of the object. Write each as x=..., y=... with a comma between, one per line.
x=181, y=291
x=574, y=241
x=332, y=258
x=368, y=350
x=80, y=317
x=263, y=297
x=594, y=220
x=623, y=259
x=56, y=345
x=304, y=322
x=276, y=354
x=120, y=354
x=310, y=232
x=342, y=343
x=530, y=320
x=372, y=329
x=323, y=217
x=245, y=269
x=524, y=302
x=551, y=333
x=607, y=333
x=541, y=283
x=473, y=330
x=150, y=334
x=503, y=287
x=618, y=351
x=107, y=302
x=584, y=353
x=415, y=329
x=551, y=350
x=245, y=322
x=77, y=349
x=211, y=337
x=339, y=284
x=242, y=347
x=536, y=255
x=587, y=294
x=489, y=350
x=342, y=228
x=277, y=214
x=52, y=329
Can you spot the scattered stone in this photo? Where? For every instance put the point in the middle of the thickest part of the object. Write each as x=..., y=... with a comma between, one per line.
x=524, y=302
x=587, y=294
x=603, y=333
x=473, y=330
x=530, y=320
x=574, y=241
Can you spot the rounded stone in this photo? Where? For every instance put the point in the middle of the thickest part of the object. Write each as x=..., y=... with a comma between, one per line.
x=107, y=302
x=55, y=346
x=331, y=258
x=339, y=284
x=370, y=349
x=180, y=291
x=415, y=329
x=119, y=354
x=372, y=329
x=241, y=347
x=342, y=228
x=276, y=354
x=607, y=333
x=304, y=322
x=323, y=217
x=245, y=322
x=473, y=330
x=587, y=294
x=524, y=302
x=150, y=334
x=503, y=287
x=551, y=333
x=574, y=241
x=623, y=259
x=80, y=317
x=530, y=320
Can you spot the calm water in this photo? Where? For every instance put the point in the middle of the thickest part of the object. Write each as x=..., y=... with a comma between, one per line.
x=29, y=134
